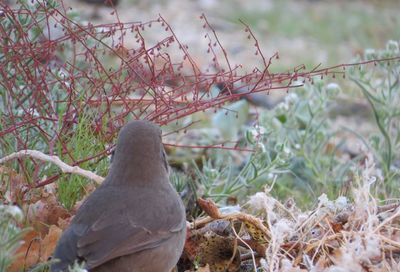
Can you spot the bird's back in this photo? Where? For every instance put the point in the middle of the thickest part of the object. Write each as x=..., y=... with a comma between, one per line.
x=117, y=211
x=135, y=221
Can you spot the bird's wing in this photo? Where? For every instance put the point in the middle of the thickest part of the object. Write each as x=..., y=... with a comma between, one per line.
x=118, y=234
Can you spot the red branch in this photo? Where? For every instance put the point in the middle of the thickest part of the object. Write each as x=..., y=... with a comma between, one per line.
x=57, y=72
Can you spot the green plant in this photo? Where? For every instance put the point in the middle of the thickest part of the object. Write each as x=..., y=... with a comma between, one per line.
x=10, y=234
x=220, y=176
x=84, y=143
x=299, y=131
x=380, y=87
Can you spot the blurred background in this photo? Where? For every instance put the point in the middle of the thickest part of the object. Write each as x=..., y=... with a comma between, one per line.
x=302, y=31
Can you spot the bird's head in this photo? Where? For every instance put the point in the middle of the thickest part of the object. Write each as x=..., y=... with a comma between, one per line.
x=139, y=153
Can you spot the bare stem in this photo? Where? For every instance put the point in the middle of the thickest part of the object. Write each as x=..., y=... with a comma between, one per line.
x=65, y=168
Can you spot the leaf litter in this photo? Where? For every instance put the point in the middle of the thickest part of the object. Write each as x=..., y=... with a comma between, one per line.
x=338, y=235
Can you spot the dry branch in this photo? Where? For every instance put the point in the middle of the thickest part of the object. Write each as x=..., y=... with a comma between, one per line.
x=65, y=168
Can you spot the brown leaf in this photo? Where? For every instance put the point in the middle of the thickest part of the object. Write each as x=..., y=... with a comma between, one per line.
x=49, y=243
x=209, y=207
x=63, y=223
x=336, y=227
x=204, y=269
x=256, y=233
x=28, y=254
x=219, y=252
x=46, y=212
x=14, y=185
x=35, y=249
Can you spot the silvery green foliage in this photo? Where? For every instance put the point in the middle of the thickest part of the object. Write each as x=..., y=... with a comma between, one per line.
x=380, y=87
x=10, y=234
x=297, y=133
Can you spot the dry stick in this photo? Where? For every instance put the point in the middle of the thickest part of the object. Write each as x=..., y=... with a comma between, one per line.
x=232, y=216
x=391, y=242
x=247, y=245
x=210, y=208
x=65, y=168
x=388, y=207
x=387, y=220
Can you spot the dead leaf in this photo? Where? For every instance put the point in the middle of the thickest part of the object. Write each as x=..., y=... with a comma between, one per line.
x=204, y=269
x=28, y=254
x=35, y=249
x=64, y=223
x=14, y=185
x=209, y=207
x=49, y=243
x=219, y=252
x=46, y=212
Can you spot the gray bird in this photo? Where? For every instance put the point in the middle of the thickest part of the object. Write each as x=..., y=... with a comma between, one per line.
x=135, y=220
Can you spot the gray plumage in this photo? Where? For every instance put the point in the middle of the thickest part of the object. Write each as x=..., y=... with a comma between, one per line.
x=134, y=221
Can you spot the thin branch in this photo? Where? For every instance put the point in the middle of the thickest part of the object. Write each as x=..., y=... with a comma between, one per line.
x=248, y=246
x=65, y=168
